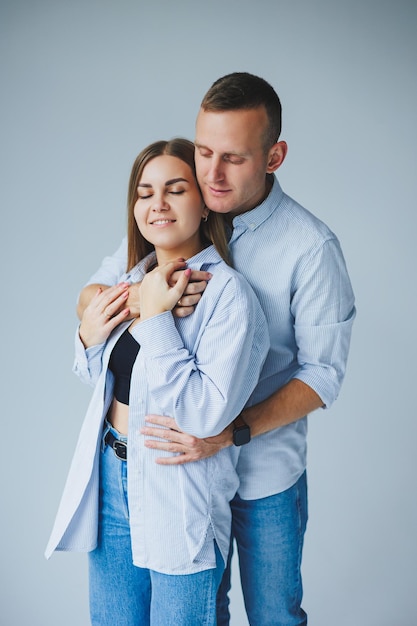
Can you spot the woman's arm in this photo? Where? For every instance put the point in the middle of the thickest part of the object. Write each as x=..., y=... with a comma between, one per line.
x=205, y=391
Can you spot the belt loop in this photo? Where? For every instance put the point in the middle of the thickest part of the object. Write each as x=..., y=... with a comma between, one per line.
x=106, y=429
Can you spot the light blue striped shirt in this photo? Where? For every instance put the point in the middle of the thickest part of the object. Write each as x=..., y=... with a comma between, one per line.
x=201, y=370
x=296, y=267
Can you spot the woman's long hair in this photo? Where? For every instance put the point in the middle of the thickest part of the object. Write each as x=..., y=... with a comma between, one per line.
x=212, y=231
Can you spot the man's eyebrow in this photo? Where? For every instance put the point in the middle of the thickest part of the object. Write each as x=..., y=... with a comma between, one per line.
x=201, y=146
x=228, y=153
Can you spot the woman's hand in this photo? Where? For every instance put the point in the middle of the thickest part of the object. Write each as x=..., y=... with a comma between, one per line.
x=105, y=311
x=157, y=293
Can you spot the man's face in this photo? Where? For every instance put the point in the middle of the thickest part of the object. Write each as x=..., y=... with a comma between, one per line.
x=230, y=159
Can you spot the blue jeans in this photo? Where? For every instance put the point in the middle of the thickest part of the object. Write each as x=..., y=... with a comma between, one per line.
x=122, y=594
x=269, y=533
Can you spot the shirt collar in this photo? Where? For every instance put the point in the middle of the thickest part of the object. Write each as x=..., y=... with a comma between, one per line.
x=254, y=218
x=208, y=256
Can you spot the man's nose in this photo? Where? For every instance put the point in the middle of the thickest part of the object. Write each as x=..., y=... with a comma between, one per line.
x=215, y=173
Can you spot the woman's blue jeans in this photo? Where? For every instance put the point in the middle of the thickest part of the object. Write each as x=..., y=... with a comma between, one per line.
x=122, y=594
x=269, y=533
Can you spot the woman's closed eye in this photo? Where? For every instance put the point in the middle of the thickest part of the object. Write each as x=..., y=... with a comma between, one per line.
x=172, y=192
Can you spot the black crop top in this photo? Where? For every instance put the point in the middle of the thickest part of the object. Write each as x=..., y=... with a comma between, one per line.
x=121, y=362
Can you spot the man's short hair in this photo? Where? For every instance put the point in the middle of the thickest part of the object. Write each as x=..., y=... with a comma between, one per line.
x=241, y=90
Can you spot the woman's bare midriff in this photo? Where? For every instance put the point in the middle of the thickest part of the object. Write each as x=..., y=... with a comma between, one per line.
x=118, y=416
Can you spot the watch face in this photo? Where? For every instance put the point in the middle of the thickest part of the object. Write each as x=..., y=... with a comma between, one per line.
x=241, y=435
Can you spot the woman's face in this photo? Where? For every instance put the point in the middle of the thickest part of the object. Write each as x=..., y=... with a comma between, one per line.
x=169, y=208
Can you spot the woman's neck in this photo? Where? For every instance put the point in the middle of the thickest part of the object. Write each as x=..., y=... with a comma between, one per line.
x=183, y=252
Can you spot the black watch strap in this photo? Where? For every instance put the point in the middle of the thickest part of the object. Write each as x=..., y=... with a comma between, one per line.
x=241, y=431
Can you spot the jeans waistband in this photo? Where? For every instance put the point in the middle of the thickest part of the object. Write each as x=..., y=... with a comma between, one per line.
x=114, y=439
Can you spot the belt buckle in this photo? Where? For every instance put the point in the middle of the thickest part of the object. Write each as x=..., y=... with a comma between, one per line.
x=120, y=449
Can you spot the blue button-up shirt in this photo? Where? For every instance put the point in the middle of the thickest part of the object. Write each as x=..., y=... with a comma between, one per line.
x=201, y=370
x=296, y=267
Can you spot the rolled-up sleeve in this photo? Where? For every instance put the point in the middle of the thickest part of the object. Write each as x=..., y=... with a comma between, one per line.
x=323, y=307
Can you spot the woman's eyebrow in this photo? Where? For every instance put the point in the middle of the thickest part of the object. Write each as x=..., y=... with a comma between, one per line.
x=172, y=181
x=176, y=180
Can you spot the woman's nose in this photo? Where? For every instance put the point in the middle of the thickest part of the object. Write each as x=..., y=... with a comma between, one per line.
x=159, y=204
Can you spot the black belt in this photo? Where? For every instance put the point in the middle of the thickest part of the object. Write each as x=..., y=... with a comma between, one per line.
x=119, y=447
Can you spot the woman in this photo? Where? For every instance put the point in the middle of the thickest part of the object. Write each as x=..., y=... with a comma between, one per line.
x=158, y=536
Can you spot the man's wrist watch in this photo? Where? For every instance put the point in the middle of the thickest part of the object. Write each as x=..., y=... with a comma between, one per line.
x=241, y=431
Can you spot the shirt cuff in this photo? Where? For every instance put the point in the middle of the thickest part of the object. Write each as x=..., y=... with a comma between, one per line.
x=157, y=335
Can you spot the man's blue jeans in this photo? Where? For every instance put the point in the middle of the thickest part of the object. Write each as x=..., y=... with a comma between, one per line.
x=269, y=533
x=122, y=594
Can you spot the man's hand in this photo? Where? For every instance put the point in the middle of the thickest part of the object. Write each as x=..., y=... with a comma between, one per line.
x=133, y=301
x=174, y=440
x=192, y=294
x=188, y=301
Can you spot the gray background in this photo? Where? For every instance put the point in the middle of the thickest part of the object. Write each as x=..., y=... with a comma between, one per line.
x=84, y=86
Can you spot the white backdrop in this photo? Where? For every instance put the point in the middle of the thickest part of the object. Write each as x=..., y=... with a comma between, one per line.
x=84, y=86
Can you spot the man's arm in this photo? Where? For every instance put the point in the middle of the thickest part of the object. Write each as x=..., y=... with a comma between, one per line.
x=87, y=293
x=187, y=302
x=112, y=269
x=86, y=296
x=107, y=275
x=322, y=335
x=289, y=404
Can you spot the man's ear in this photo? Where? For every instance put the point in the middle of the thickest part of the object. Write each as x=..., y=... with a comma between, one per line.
x=276, y=156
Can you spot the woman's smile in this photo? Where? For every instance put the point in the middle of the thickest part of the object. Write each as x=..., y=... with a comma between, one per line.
x=162, y=222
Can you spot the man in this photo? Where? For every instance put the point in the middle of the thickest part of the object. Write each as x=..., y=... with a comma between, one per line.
x=296, y=267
